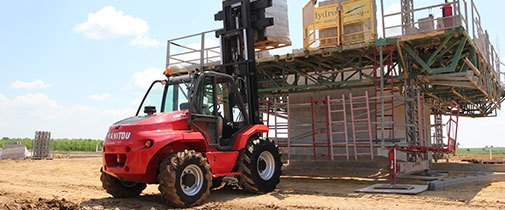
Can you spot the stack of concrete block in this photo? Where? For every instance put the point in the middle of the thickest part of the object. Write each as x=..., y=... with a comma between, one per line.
x=42, y=145
x=278, y=34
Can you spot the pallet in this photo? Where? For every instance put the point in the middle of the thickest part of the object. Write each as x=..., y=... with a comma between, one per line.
x=272, y=43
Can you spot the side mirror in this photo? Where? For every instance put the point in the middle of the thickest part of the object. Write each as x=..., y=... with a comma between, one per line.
x=184, y=106
x=149, y=110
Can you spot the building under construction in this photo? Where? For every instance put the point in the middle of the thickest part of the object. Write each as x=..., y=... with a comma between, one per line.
x=369, y=84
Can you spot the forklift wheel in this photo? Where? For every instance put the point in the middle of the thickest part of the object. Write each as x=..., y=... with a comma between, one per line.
x=121, y=189
x=185, y=179
x=260, y=166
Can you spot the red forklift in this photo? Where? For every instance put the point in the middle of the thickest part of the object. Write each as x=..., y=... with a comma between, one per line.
x=207, y=125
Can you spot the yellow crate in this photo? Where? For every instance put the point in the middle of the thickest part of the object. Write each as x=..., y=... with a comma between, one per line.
x=321, y=26
x=358, y=22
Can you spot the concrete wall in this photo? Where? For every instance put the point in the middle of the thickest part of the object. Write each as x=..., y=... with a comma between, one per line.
x=301, y=122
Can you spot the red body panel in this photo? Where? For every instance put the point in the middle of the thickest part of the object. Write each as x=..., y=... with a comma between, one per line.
x=222, y=163
x=126, y=156
x=243, y=136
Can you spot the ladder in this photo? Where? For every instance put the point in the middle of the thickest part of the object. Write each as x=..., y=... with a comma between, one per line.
x=361, y=125
x=319, y=126
x=338, y=119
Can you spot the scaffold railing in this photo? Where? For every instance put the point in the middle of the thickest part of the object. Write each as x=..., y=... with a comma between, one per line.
x=193, y=52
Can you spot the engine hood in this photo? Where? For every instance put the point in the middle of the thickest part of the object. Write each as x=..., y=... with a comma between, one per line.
x=162, y=122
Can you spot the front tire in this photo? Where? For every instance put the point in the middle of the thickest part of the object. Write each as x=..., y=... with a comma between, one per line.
x=260, y=166
x=121, y=189
x=185, y=179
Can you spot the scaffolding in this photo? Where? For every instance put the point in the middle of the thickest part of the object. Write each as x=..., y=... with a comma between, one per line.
x=436, y=55
x=385, y=75
x=430, y=59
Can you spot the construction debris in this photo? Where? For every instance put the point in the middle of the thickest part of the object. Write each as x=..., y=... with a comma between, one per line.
x=14, y=150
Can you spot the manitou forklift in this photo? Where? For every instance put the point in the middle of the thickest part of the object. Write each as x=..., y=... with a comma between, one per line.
x=206, y=127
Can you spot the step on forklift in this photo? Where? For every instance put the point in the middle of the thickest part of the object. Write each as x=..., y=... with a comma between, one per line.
x=207, y=125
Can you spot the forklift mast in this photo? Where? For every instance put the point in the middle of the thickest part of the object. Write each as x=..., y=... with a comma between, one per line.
x=244, y=24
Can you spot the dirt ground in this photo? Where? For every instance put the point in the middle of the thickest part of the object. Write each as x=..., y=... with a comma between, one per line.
x=69, y=183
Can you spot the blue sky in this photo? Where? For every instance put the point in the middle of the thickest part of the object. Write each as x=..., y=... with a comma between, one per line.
x=75, y=67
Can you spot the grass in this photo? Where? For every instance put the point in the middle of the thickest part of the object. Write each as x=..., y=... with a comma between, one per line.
x=73, y=145
x=481, y=151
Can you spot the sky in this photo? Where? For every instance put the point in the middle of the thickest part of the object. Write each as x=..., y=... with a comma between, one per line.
x=76, y=67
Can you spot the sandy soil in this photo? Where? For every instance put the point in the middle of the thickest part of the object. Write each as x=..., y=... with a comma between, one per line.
x=58, y=184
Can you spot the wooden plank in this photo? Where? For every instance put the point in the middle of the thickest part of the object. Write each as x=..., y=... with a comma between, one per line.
x=472, y=67
x=454, y=84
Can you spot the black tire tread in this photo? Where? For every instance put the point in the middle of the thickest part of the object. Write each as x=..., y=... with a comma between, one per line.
x=113, y=186
x=167, y=177
x=246, y=179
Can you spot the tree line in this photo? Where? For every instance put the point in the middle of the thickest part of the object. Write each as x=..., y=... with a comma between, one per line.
x=81, y=145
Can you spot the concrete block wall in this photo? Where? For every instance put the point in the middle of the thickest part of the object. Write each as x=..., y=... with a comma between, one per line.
x=301, y=122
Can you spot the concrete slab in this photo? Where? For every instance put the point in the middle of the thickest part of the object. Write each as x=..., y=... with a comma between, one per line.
x=467, y=167
x=480, y=179
x=394, y=189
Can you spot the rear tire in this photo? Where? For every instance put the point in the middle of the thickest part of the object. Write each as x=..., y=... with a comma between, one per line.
x=120, y=189
x=185, y=179
x=260, y=166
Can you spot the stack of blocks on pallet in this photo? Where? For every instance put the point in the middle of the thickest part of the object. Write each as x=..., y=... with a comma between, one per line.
x=278, y=34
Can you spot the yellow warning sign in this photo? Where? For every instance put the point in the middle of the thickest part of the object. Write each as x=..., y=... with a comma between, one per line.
x=353, y=11
x=326, y=16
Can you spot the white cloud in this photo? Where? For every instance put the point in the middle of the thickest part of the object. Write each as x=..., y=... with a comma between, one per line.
x=120, y=113
x=144, y=41
x=25, y=114
x=141, y=80
x=109, y=22
x=134, y=102
x=99, y=97
x=37, y=84
x=33, y=100
x=36, y=104
x=3, y=99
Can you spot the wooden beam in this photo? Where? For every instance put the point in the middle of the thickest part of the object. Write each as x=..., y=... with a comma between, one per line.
x=472, y=67
x=453, y=76
x=453, y=84
x=463, y=97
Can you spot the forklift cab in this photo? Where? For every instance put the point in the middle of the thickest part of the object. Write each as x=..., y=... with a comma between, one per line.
x=217, y=109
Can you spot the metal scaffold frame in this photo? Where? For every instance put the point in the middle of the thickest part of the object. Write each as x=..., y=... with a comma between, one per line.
x=342, y=127
x=439, y=57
